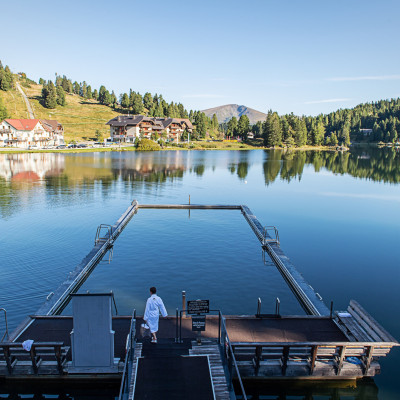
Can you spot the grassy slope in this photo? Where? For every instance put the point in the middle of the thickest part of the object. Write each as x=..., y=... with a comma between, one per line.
x=80, y=118
x=15, y=104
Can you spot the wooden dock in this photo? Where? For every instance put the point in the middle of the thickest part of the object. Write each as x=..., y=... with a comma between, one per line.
x=321, y=345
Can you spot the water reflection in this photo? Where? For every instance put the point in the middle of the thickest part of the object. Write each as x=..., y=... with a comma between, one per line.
x=360, y=390
x=59, y=390
x=67, y=173
x=375, y=164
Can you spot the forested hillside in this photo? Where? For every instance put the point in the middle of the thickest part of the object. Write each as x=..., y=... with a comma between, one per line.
x=84, y=110
x=369, y=122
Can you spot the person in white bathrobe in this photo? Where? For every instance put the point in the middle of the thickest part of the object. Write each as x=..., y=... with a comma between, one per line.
x=154, y=307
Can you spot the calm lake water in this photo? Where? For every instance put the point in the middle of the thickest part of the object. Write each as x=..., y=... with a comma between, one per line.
x=337, y=215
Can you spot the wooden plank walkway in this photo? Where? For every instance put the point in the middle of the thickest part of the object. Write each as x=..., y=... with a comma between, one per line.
x=218, y=377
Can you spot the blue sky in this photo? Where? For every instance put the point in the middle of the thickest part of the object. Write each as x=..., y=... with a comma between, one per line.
x=301, y=56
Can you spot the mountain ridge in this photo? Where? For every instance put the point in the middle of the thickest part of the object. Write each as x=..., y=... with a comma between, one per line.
x=226, y=112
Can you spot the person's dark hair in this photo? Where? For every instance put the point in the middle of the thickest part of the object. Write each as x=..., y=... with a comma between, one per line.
x=153, y=290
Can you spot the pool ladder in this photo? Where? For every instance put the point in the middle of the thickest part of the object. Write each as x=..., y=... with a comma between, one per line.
x=5, y=318
x=268, y=238
x=104, y=237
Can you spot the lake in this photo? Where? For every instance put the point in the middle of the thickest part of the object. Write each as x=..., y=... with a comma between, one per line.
x=337, y=216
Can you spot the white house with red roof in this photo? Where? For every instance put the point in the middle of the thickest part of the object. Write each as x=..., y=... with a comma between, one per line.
x=24, y=133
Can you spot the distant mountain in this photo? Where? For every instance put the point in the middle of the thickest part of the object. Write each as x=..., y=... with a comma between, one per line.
x=225, y=113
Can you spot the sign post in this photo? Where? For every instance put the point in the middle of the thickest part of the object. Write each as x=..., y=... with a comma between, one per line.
x=198, y=307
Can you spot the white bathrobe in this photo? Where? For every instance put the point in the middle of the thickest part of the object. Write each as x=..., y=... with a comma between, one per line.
x=154, y=306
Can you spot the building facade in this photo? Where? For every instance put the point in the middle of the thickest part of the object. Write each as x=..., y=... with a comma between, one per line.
x=126, y=128
x=26, y=133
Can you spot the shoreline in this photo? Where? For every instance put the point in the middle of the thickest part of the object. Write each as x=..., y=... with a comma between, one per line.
x=242, y=147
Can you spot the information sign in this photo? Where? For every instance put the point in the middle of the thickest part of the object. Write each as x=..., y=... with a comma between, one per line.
x=198, y=323
x=198, y=307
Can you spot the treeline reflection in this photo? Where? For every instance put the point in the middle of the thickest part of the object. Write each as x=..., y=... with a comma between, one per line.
x=63, y=174
x=376, y=164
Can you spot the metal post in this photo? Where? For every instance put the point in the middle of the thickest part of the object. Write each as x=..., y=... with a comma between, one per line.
x=180, y=327
x=176, y=326
x=331, y=309
x=184, y=301
x=278, y=303
x=219, y=327
x=189, y=199
x=259, y=306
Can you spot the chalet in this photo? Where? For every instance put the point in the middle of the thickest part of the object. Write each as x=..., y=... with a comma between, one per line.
x=30, y=132
x=55, y=129
x=126, y=128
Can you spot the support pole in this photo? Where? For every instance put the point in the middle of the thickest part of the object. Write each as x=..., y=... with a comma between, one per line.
x=184, y=302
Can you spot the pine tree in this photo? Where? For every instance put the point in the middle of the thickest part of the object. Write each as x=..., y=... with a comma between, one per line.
x=102, y=92
x=89, y=92
x=83, y=91
x=318, y=134
x=6, y=79
x=49, y=95
x=95, y=94
x=148, y=101
x=232, y=127
x=201, y=124
x=65, y=84
x=137, y=107
x=243, y=126
x=125, y=100
x=60, y=96
x=77, y=87
x=334, y=140
x=272, y=130
x=300, y=135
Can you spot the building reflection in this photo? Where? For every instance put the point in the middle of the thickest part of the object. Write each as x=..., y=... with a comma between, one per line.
x=33, y=167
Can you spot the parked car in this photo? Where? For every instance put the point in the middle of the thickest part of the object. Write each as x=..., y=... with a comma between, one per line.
x=61, y=146
x=82, y=145
x=72, y=146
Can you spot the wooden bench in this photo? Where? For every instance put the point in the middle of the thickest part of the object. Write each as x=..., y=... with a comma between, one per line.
x=309, y=356
x=51, y=354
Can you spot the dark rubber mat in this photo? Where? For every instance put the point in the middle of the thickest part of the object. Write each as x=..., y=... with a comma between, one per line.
x=174, y=378
x=165, y=348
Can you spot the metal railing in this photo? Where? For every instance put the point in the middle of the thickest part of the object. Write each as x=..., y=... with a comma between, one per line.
x=277, y=307
x=5, y=319
x=268, y=238
x=100, y=229
x=228, y=359
x=115, y=304
x=308, y=353
x=227, y=353
x=129, y=357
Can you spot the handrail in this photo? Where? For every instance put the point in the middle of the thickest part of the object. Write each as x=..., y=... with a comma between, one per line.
x=232, y=354
x=221, y=327
x=6, y=332
x=115, y=304
x=319, y=344
x=129, y=356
